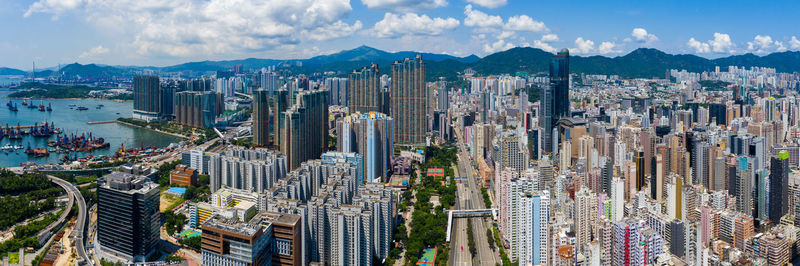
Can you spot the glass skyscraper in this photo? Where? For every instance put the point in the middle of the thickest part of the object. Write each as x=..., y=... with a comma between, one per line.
x=555, y=98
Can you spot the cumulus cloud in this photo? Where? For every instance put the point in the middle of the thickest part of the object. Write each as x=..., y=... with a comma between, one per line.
x=794, y=43
x=549, y=37
x=720, y=44
x=499, y=45
x=583, y=46
x=641, y=35
x=525, y=23
x=336, y=30
x=475, y=18
x=94, y=52
x=699, y=47
x=765, y=44
x=506, y=34
x=485, y=22
x=404, y=5
x=608, y=48
x=394, y=25
x=56, y=7
x=541, y=44
x=209, y=27
x=489, y=3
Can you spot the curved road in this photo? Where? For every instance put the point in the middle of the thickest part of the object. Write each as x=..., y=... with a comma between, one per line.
x=80, y=222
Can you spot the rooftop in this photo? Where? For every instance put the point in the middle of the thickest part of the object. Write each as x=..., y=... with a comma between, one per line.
x=232, y=225
x=126, y=182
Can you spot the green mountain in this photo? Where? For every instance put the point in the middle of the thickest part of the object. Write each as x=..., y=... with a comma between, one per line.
x=640, y=63
x=12, y=71
x=366, y=53
x=90, y=71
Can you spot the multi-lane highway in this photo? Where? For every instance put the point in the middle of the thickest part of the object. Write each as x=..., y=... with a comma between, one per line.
x=80, y=223
x=468, y=196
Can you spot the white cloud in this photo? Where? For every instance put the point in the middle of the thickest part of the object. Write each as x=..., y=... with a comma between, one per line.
x=794, y=43
x=499, y=45
x=336, y=30
x=506, y=34
x=94, y=52
x=549, y=37
x=475, y=18
x=608, y=48
x=541, y=44
x=525, y=23
x=641, y=35
x=394, y=25
x=720, y=44
x=583, y=46
x=765, y=44
x=211, y=27
x=56, y=7
x=489, y=3
x=699, y=47
x=404, y=5
x=485, y=22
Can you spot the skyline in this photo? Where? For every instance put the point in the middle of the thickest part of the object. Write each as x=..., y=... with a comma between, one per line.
x=160, y=34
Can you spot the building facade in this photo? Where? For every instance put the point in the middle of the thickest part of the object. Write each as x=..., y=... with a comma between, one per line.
x=128, y=218
x=408, y=101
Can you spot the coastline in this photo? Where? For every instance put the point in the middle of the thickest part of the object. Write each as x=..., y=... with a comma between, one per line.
x=73, y=99
x=151, y=129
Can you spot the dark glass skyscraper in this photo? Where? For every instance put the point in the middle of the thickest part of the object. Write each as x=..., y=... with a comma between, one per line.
x=554, y=98
x=261, y=101
x=559, y=80
x=779, y=187
x=127, y=216
x=146, y=104
x=304, y=129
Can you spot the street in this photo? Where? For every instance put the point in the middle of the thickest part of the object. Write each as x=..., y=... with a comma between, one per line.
x=80, y=223
x=468, y=196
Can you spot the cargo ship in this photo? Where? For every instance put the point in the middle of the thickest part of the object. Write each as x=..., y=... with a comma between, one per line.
x=78, y=143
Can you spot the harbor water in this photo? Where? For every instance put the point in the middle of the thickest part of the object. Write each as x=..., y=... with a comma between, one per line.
x=73, y=121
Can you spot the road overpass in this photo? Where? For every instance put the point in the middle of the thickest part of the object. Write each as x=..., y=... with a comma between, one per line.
x=80, y=221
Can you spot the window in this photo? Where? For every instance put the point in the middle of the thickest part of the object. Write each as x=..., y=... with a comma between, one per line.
x=283, y=247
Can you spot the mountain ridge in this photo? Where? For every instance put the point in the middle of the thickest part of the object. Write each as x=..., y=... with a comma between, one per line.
x=639, y=63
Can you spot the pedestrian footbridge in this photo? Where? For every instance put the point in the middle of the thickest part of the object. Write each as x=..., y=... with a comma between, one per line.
x=467, y=213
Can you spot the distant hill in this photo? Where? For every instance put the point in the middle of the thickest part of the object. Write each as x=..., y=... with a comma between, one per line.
x=358, y=57
x=91, y=71
x=366, y=53
x=12, y=71
x=639, y=63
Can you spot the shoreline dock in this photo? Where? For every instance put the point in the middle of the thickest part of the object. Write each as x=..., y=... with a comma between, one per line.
x=132, y=125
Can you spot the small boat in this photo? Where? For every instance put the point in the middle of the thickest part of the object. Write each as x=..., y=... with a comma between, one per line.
x=81, y=108
x=7, y=147
x=18, y=147
x=72, y=105
x=49, y=109
x=24, y=102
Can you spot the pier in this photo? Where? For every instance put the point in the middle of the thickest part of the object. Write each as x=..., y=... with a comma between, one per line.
x=18, y=126
x=101, y=122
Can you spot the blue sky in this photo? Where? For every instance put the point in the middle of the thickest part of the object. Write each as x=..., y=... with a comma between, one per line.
x=159, y=33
